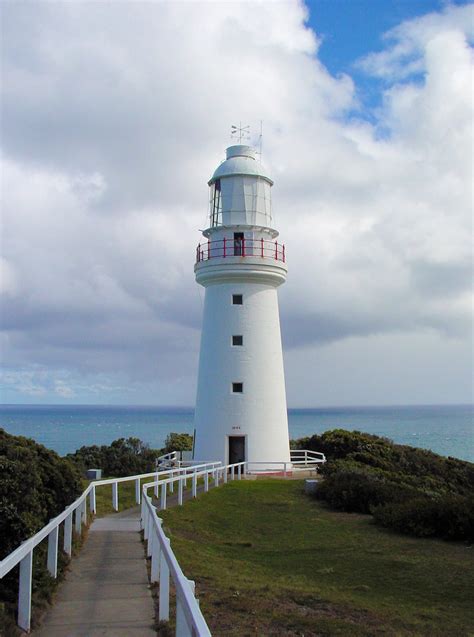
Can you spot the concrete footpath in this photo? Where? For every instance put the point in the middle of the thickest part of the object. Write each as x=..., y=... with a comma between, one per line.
x=106, y=591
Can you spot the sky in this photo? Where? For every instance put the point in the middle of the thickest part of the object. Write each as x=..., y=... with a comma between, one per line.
x=115, y=115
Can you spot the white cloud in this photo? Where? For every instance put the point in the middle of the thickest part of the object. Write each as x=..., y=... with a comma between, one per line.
x=406, y=44
x=115, y=115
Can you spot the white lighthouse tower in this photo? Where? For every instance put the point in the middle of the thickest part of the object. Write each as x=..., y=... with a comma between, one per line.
x=241, y=409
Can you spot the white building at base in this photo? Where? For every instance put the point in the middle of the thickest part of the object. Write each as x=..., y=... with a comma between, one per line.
x=241, y=411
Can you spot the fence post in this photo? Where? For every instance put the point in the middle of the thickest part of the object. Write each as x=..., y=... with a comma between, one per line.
x=156, y=488
x=150, y=535
x=180, y=490
x=182, y=628
x=84, y=511
x=115, y=501
x=77, y=519
x=194, y=487
x=206, y=482
x=52, y=561
x=24, y=593
x=164, y=596
x=163, y=496
x=156, y=552
x=232, y=472
x=239, y=472
x=171, y=485
x=92, y=501
x=68, y=535
x=137, y=490
x=144, y=519
x=224, y=473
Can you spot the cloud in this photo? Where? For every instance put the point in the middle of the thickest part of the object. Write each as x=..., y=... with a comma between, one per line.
x=115, y=116
x=407, y=43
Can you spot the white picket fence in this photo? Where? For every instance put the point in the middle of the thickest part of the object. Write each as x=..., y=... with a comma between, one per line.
x=189, y=619
x=306, y=458
x=75, y=515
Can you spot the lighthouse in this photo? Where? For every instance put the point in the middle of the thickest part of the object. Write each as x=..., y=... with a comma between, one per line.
x=241, y=412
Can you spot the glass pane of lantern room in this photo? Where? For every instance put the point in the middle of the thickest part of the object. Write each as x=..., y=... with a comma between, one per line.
x=238, y=201
x=249, y=192
x=260, y=218
x=267, y=203
x=226, y=195
x=215, y=204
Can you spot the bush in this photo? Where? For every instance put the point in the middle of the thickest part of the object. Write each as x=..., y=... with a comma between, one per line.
x=356, y=490
x=410, y=490
x=36, y=485
x=126, y=457
x=123, y=457
x=178, y=442
x=448, y=517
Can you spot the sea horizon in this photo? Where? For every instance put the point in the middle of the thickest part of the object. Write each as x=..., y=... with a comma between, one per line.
x=446, y=429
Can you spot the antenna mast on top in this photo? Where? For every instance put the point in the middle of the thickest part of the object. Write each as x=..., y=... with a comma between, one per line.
x=240, y=132
x=260, y=139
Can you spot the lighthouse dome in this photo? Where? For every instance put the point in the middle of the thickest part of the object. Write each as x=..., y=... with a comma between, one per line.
x=240, y=160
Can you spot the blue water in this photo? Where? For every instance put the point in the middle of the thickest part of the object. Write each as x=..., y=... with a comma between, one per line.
x=447, y=430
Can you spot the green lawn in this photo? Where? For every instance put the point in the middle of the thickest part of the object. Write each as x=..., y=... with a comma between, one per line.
x=268, y=560
x=126, y=496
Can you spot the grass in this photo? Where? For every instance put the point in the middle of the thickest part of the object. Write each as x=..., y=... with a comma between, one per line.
x=126, y=496
x=268, y=560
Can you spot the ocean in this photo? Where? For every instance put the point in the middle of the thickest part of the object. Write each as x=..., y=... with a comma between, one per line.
x=447, y=430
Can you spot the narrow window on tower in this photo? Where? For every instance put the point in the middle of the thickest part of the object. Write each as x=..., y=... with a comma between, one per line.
x=237, y=339
x=237, y=388
x=237, y=299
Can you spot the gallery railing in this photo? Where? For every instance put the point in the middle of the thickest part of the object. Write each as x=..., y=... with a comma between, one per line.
x=223, y=248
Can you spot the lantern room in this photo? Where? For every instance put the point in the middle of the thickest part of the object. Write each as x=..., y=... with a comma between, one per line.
x=240, y=191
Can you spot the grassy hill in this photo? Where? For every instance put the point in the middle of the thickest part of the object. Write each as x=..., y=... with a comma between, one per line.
x=268, y=560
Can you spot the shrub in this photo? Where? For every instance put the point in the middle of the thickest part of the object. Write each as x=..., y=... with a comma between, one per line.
x=36, y=485
x=123, y=457
x=410, y=490
x=356, y=490
x=178, y=442
x=448, y=517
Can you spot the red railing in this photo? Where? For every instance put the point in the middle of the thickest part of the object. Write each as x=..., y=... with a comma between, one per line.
x=222, y=248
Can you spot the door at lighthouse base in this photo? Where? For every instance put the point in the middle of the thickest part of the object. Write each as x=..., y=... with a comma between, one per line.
x=236, y=449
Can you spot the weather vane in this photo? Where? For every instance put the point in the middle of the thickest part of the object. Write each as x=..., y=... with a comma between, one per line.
x=240, y=132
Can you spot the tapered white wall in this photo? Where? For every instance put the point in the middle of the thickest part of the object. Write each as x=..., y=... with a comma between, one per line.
x=259, y=413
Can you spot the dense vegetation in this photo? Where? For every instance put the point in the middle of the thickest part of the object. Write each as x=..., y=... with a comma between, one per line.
x=36, y=485
x=411, y=490
x=127, y=457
